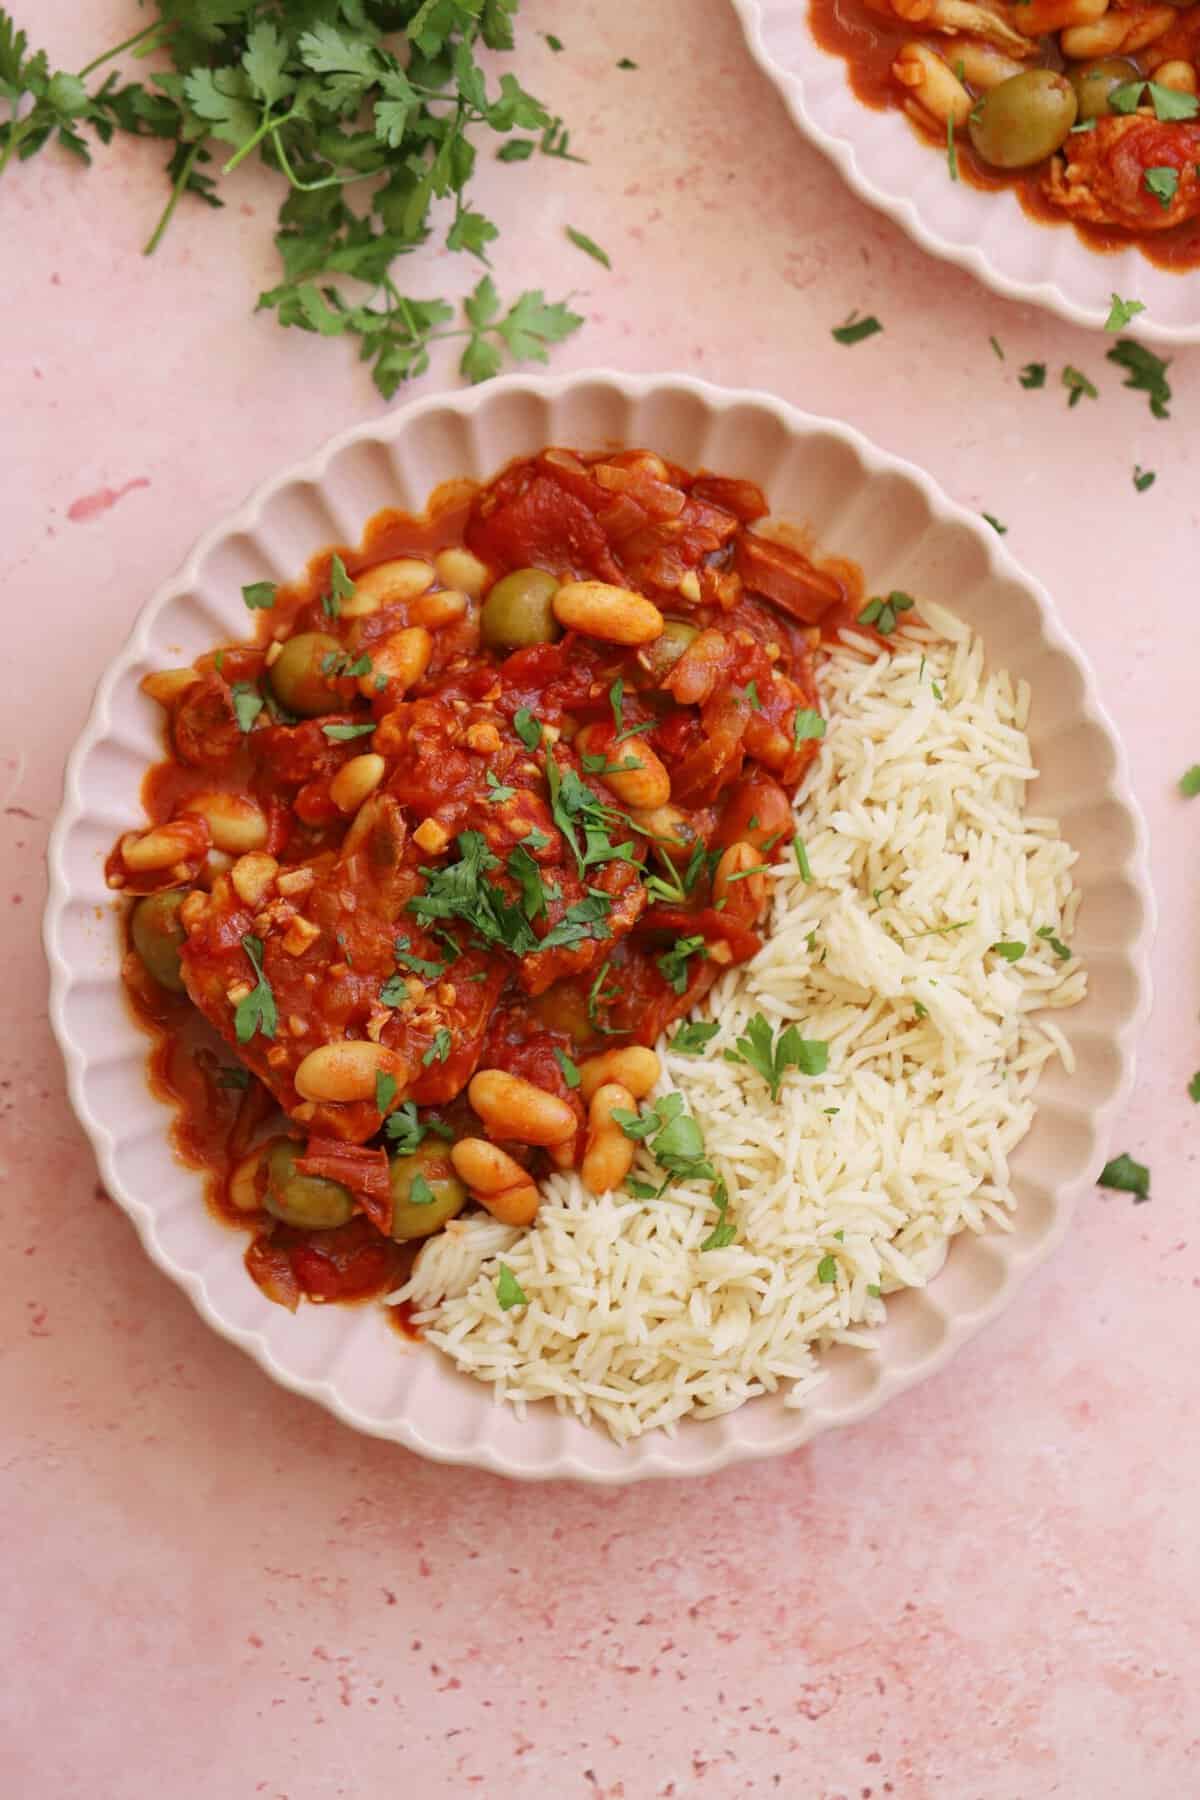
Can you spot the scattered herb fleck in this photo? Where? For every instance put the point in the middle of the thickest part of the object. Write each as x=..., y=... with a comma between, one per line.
x=1011, y=951
x=1078, y=385
x=589, y=246
x=1126, y=1177
x=995, y=524
x=1189, y=782
x=1060, y=949
x=247, y=703
x=1121, y=311
x=772, y=1056
x=341, y=734
x=509, y=1291
x=692, y=1038
x=1145, y=372
x=570, y=1071
x=1143, y=478
x=256, y=1011
x=527, y=728
x=856, y=329
x=439, y=1050
x=259, y=595
x=827, y=1269
x=1033, y=375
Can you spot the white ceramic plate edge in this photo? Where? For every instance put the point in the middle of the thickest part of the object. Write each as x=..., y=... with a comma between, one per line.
x=652, y=1455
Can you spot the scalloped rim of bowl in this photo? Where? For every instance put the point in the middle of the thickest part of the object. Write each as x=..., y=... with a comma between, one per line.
x=559, y=1447
x=1078, y=282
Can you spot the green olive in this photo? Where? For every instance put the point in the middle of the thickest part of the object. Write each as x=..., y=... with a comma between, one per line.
x=660, y=656
x=518, y=611
x=296, y=676
x=1024, y=120
x=425, y=1191
x=1094, y=82
x=158, y=936
x=308, y=1202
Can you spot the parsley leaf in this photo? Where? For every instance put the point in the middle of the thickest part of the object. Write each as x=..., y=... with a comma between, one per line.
x=1011, y=951
x=827, y=1269
x=259, y=595
x=1060, y=949
x=439, y=1050
x=1142, y=478
x=724, y=1231
x=509, y=1291
x=1162, y=182
x=807, y=724
x=1121, y=311
x=1077, y=385
x=527, y=728
x=341, y=734
x=589, y=246
x=691, y=1039
x=247, y=703
x=1126, y=1176
x=417, y=965
x=1168, y=103
x=385, y=1091
x=1194, y=1087
x=1145, y=372
x=256, y=1011
x=881, y=613
x=770, y=1057
x=996, y=347
x=997, y=527
x=1189, y=782
x=497, y=793
x=856, y=329
x=673, y=963
x=408, y=1131
x=570, y=1070
x=1033, y=375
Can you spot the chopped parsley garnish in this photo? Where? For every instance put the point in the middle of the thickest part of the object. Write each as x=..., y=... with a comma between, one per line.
x=876, y=1293
x=1194, y=1087
x=936, y=688
x=641, y=1190
x=752, y=696
x=233, y=1078
x=881, y=612
x=528, y=878
x=1078, y=385
x=586, y=919
x=996, y=347
x=951, y=152
x=1189, y=782
x=807, y=724
x=527, y=728
x=342, y=734
x=552, y=42
x=1121, y=311
x=691, y=1039
x=801, y=855
x=1168, y=103
x=385, y=1091
x=419, y=1191
x=724, y=1231
x=920, y=1010
x=408, y=1131
x=439, y=1050
x=1143, y=478
x=1162, y=182
x=497, y=792
x=827, y=1269
x=627, y=62
x=1011, y=951
x=596, y=763
x=1145, y=372
x=460, y=890
x=573, y=804
x=417, y=965
x=601, y=996
x=509, y=1291
x=997, y=527
x=589, y=246
x=1060, y=950
x=259, y=595
x=616, y=701
x=247, y=703
x=1033, y=375
x=256, y=1011
x=673, y=963
x=678, y=1143
x=856, y=329
x=1126, y=1176
x=771, y=1056
x=570, y=1070
x=340, y=588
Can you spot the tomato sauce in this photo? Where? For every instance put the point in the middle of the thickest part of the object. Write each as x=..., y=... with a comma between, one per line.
x=504, y=895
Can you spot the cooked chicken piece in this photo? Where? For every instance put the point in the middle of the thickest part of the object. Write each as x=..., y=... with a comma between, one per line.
x=992, y=22
x=1101, y=176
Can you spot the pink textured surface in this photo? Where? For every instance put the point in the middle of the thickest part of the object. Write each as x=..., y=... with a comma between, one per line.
x=986, y=1593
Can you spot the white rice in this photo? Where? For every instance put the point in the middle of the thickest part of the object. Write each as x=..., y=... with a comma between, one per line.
x=914, y=821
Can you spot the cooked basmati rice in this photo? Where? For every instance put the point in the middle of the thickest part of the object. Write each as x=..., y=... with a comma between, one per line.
x=922, y=858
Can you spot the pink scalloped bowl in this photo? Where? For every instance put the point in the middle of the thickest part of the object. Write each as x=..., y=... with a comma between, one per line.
x=888, y=165
x=859, y=502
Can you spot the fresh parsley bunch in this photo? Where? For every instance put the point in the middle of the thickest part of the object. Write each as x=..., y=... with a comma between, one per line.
x=369, y=110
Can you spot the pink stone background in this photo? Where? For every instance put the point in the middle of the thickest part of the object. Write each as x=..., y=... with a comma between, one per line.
x=989, y=1592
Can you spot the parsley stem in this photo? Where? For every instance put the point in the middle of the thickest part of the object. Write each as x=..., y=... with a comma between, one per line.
x=181, y=181
x=138, y=37
x=270, y=123
x=312, y=187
